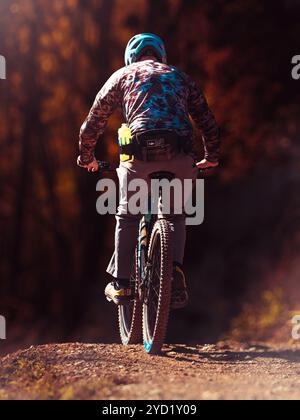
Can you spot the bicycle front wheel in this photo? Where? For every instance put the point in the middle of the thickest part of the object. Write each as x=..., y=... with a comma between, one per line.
x=156, y=308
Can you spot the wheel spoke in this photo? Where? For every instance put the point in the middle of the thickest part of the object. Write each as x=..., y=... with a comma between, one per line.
x=155, y=291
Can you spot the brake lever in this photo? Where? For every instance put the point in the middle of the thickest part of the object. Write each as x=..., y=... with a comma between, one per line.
x=105, y=167
x=206, y=172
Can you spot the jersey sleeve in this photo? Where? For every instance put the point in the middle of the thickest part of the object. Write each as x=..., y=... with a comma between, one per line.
x=107, y=100
x=205, y=121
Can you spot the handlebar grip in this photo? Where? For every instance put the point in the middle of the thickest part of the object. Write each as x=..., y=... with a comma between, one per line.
x=105, y=167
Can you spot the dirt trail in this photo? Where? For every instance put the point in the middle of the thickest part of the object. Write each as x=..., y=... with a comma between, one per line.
x=78, y=371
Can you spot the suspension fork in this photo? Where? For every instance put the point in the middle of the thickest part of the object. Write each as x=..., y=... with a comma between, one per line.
x=143, y=244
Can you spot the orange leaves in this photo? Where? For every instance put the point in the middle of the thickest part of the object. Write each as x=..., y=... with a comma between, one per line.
x=91, y=30
x=72, y=4
x=57, y=37
x=55, y=105
x=23, y=37
x=14, y=8
x=47, y=62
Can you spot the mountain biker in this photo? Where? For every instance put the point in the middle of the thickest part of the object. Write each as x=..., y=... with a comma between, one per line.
x=156, y=100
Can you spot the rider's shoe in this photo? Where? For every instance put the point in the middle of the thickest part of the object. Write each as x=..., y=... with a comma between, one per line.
x=180, y=296
x=119, y=294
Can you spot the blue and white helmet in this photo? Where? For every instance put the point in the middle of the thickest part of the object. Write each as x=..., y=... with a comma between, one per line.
x=139, y=44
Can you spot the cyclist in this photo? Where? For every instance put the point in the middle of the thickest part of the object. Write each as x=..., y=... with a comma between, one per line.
x=156, y=100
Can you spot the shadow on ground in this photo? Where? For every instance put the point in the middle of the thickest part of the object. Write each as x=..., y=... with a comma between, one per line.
x=217, y=356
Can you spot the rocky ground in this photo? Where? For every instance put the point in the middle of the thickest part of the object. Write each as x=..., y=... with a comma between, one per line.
x=212, y=372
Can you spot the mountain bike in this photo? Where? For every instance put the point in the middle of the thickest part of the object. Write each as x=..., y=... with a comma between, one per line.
x=146, y=318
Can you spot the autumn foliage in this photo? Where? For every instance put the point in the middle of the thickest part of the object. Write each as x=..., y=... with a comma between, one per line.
x=54, y=247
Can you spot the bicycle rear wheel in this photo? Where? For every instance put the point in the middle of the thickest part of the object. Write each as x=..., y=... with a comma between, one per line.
x=130, y=317
x=156, y=308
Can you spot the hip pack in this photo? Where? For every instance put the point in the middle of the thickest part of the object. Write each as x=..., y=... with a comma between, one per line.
x=157, y=146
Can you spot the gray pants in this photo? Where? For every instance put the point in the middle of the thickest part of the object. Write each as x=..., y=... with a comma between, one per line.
x=127, y=228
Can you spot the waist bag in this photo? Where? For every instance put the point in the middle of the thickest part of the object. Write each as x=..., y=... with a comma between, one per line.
x=157, y=145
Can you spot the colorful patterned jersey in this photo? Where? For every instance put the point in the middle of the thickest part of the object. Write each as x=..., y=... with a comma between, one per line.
x=152, y=96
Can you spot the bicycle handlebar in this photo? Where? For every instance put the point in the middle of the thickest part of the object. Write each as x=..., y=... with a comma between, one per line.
x=107, y=167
